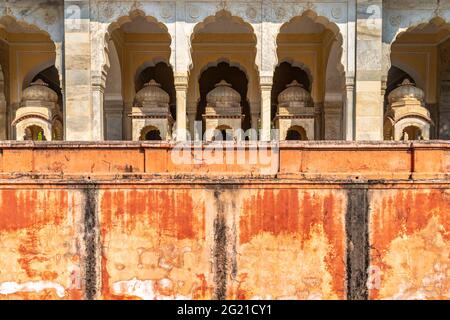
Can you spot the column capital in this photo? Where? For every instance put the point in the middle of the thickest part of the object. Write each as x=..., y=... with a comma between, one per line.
x=181, y=81
x=350, y=82
x=266, y=82
x=98, y=80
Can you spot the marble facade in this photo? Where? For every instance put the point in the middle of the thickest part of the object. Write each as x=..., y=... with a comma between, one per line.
x=346, y=47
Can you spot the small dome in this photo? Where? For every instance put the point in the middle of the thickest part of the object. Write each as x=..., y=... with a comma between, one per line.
x=223, y=93
x=294, y=93
x=152, y=92
x=39, y=91
x=406, y=90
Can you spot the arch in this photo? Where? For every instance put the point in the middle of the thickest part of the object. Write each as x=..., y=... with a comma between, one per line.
x=390, y=38
x=234, y=43
x=233, y=75
x=133, y=15
x=284, y=74
x=34, y=132
x=123, y=20
x=312, y=24
x=297, y=64
x=231, y=63
x=150, y=133
x=225, y=134
x=163, y=74
x=149, y=33
x=395, y=78
x=214, y=18
x=412, y=132
x=296, y=133
x=149, y=64
x=321, y=20
x=39, y=57
x=9, y=21
x=420, y=25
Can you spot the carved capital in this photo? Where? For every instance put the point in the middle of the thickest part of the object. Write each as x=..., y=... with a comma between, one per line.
x=181, y=82
x=349, y=83
x=266, y=82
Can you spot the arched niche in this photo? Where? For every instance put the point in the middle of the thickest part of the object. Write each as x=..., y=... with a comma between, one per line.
x=25, y=52
x=223, y=38
x=296, y=133
x=162, y=73
x=133, y=43
x=315, y=44
x=285, y=73
x=395, y=77
x=307, y=40
x=232, y=75
x=150, y=133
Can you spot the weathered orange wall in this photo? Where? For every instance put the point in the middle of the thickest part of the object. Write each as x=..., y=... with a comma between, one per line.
x=410, y=243
x=118, y=221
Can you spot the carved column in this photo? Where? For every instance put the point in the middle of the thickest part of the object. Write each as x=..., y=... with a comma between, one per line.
x=266, y=106
x=98, y=96
x=181, y=84
x=127, y=127
x=191, y=114
x=369, y=105
x=3, y=122
x=349, y=109
x=77, y=57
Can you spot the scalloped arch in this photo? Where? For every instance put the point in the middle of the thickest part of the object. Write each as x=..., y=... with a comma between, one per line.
x=122, y=21
x=213, y=18
x=326, y=23
x=437, y=21
x=9, y=20
x=133, y=15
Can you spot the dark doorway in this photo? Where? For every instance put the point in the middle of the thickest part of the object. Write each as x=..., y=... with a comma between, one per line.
x=153, y=135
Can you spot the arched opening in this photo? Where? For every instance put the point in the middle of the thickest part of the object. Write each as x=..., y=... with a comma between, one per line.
x=34, y=55
x=34, y=133
x=313, y=46
x=232, y=75
x=162, y=73
x=296, y=133
x=284, y=74
x=151, y=133
x=223, y=47
x=396, y=76
x=138, y=49
x=412, y=133
x=422, y=52
x=223, y=133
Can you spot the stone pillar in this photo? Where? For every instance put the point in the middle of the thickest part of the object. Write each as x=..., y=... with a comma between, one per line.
x=266, y=106
x=319, y=123
x=113, y=119
x=349, y=109
x=127, y=126
x=3, y=122
x=181, y=84
x=77, y=56
x=444, y=122
x=98, y=97
x=369, y=105
x=191, y=114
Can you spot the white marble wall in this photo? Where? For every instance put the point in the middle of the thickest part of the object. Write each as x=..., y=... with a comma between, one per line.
x=85, y=25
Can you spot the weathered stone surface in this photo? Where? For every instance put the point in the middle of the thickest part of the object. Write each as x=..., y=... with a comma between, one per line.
x=89, y=231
